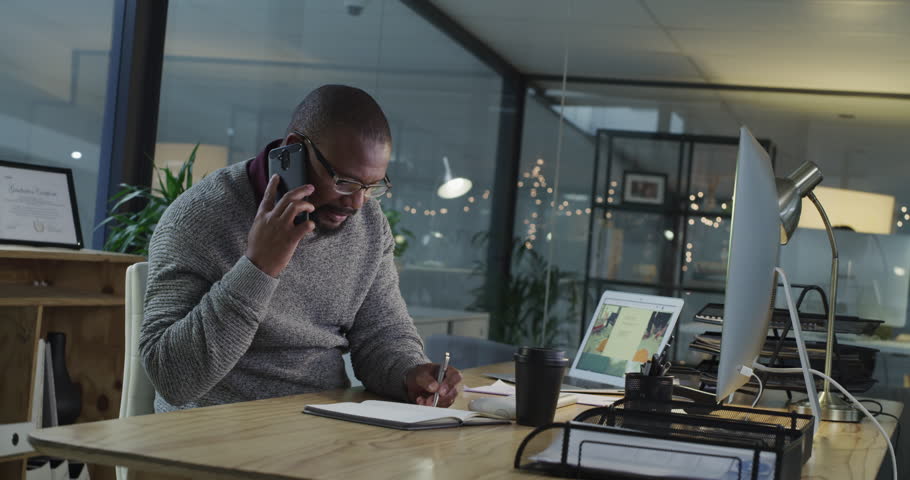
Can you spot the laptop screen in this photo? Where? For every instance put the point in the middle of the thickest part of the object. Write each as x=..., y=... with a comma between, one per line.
x=627, y=329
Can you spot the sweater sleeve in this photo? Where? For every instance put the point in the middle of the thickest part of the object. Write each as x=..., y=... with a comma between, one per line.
x=196, y=325
x=384, y=341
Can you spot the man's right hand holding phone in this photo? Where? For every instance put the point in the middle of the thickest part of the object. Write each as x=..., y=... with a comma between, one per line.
x=274, y=236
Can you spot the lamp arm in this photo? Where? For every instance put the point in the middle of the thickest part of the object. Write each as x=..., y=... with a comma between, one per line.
x=832, y=297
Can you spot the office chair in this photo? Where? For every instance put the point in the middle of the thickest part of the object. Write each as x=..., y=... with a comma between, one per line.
x=138, y=395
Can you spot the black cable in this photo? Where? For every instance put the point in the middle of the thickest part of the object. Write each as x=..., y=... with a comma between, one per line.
x=881, y=409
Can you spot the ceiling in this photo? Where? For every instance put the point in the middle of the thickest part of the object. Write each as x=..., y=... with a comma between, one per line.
x=851, y=45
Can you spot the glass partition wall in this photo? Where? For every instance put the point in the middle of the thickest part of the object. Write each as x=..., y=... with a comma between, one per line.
x=856, y=142
x=53, y=79
x=234, y=71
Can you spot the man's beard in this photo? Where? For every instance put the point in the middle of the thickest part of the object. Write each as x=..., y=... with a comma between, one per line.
x=322, y=229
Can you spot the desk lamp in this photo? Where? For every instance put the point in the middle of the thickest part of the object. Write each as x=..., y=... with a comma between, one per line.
x=790, y=192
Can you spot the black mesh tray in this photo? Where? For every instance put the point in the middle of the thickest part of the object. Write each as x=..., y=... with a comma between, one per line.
x=702, y=417
x=713, y=313
x=588, y=449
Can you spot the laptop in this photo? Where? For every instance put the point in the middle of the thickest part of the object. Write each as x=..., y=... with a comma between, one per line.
x=626, y=330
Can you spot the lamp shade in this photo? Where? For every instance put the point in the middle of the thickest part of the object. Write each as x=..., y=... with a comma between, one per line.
x=452, y=187
x=790, y=192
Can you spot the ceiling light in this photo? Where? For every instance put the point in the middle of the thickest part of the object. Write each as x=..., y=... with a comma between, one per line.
x=76, y=155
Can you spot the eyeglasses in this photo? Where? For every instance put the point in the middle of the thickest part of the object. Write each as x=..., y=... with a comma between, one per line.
x=348, y=186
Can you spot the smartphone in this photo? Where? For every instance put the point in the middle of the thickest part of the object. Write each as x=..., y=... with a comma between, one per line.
x=289, y=163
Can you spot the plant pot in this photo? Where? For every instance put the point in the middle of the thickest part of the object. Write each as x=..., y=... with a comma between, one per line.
x=68, y=394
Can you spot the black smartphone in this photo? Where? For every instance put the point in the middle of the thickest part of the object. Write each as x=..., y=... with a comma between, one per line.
x=289, y=163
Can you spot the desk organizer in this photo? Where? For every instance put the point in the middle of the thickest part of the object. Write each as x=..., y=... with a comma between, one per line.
x=690, y=441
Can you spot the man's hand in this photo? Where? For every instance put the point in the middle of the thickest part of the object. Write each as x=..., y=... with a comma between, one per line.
x=274, y=237
x=421, y=385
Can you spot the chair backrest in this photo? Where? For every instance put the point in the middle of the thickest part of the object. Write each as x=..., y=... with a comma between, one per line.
x=138, y=396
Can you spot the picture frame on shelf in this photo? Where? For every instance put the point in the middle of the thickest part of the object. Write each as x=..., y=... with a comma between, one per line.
x=38, y=206
x=644, y=188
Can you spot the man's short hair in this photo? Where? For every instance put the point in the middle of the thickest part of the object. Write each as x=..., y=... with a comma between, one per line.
x=331, y=108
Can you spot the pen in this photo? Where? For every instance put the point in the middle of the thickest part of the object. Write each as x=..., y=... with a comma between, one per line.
x=440, y=377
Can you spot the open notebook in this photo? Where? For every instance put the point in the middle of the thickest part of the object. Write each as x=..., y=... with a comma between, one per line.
x=403, y=416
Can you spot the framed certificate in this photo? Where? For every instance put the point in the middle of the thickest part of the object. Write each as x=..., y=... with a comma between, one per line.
x=38, y=206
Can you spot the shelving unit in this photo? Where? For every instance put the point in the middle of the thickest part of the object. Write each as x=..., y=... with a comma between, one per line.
x=79, y=293
x=664, y=248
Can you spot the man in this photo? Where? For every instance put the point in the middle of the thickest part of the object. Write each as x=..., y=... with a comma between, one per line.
x=244, y=304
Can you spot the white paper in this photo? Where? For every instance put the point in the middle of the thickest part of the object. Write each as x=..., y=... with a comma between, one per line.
x=38, y=391
x=497, y=388
x=35, y=206
x=613, y=452
x=597, y=400
x=398, y=412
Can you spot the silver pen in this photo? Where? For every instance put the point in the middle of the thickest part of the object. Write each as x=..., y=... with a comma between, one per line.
x=440, y=377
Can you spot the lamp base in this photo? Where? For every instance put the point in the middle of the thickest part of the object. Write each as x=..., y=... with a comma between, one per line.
x=833, y=409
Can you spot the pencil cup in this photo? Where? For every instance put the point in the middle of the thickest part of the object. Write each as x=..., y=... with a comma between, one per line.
x=538, y=377
x=648, y=392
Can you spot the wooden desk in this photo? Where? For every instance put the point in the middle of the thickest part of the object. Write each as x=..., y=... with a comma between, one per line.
x=272, y=439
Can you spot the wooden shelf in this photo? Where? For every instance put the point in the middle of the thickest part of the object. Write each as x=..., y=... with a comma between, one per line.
x=19, y=456
x=50, y=253
x=27, y=295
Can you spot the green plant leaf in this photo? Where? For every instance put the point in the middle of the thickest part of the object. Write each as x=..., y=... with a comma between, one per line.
x=131, y=231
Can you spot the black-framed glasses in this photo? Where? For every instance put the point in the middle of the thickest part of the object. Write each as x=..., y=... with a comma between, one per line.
x=344, y=185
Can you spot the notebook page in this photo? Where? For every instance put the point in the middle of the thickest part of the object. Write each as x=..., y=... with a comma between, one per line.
x=397, y=412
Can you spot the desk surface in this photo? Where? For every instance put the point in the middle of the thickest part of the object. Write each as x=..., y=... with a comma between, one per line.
x=272, y=439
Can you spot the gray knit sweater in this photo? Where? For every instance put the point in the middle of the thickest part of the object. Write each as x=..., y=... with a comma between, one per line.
x=219, y=330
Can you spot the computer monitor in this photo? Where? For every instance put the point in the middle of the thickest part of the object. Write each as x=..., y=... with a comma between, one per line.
x=752, y=257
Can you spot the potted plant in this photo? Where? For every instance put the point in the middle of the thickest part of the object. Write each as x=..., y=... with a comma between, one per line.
x=527, y=312
x=130, y=232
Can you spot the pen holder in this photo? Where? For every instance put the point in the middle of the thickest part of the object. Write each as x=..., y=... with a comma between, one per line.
x=648, y=393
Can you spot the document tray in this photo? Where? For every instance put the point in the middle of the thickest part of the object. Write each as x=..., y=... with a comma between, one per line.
x=628, y=444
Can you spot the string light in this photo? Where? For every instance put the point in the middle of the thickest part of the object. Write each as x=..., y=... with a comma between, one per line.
x=611, y=191
x=470, y=199
x=613, y=183
x=691, y=198
x=723, y=206
x=691, y=221
x=588, y=211
x=533, y=214
x=540, y=161
x=443, y=211
x=600, y=199
x=701, y=194
x=578, y=211
x=537, y=202
x=521, y=184
x=610, y=200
